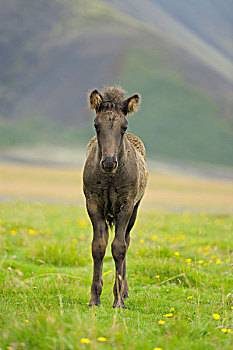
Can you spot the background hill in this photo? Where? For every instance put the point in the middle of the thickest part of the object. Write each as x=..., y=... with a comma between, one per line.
x=177, y=54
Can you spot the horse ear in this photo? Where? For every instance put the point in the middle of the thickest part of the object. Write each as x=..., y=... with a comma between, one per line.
x=131, y=104
x=95, y=99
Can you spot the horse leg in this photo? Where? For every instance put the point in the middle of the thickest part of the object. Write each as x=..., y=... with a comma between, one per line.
x=127, y=240
x=99, y=244
x=119, y=249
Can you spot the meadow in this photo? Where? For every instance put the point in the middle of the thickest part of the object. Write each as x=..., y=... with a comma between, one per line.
x=179, y=269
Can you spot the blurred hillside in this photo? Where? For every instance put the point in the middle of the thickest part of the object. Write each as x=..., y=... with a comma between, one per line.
x=177, y=54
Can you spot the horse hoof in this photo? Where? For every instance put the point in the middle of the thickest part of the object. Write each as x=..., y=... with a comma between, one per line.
x=126, y=295
x=116, y=304
x=94, y=303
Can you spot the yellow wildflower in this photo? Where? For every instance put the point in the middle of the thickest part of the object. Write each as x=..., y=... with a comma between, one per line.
x=107, y=272
x=216, y=316
x=213, y=257
x=26, y=321
x=142, y=241
x=157, y=276
x=224, y=330
x=13, y=232
x=8, y=348
x=161, y=322
x=32, y=232
x=189, y=319
x=157, y=348
x=102, y=339
x=200, y=261
x=177, y=253
x=232, y=307
x=172, y=309
x=85, y=341
x=199, y=250
x=207, y=247
x=74, y=240
x=190, y=297
x=154, y=237
x=168, y=315
x=188, y=260
x=218, y=261
x=82, y=223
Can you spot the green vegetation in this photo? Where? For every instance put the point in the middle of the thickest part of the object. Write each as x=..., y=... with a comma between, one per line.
x=176, y=120
x=35, y=129
x=180, y=261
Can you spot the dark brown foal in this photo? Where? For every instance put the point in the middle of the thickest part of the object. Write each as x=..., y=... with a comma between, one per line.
x=114, y=181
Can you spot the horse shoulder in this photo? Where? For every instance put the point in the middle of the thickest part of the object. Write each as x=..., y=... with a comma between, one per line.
x=137, y=144
x=141, y=162
x=91, y=145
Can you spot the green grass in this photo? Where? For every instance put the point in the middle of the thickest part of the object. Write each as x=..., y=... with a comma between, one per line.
x=46, y=270
x=38, y=130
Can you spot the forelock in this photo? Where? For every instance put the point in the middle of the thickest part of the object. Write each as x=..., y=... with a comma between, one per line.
x=113, y=97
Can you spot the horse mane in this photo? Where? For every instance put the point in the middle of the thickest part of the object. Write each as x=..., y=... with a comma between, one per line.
x=113, y=97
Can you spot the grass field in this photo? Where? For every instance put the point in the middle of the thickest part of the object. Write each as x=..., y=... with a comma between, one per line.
x=179, y=272
x=179, y=265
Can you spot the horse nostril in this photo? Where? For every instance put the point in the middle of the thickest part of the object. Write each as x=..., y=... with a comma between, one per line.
x=108, y=164
x=102, y=163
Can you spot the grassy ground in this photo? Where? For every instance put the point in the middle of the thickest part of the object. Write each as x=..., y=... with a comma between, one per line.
x=179, y=265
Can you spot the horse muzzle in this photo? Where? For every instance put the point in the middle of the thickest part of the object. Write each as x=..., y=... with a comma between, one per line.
x=108, y=164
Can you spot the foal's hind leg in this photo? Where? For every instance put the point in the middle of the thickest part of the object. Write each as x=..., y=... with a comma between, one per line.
x=99, y=244
x=127, y=240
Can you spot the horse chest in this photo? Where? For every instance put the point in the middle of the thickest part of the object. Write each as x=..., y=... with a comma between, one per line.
x=110, y=192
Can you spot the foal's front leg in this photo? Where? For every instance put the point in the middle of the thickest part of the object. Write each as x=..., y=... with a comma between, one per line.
x=99, y=244
x=119, y=249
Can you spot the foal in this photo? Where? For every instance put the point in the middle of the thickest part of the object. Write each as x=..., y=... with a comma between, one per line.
x=114, y=181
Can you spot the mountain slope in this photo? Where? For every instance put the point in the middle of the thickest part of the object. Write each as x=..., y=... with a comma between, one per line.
x=61, y=50
x=155, y=13
x=210, y=20
x=54, y=52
